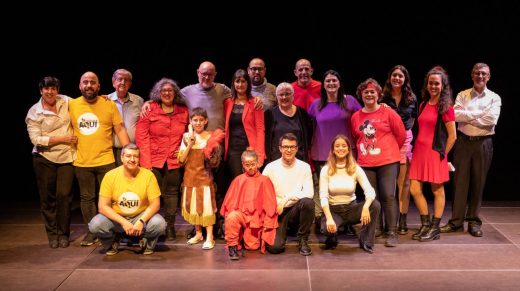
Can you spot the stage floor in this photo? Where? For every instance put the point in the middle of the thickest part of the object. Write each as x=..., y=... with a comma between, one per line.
x=457, y=261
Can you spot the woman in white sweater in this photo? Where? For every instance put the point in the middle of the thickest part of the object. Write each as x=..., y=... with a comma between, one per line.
x=338, y=180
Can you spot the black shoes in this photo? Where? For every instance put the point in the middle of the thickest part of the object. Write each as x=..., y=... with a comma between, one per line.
x=474, y=230
x=304, y=248
x=402, y=229
x=391, y=239
x=451, y=228
x=233, y=253
x=331, y=242
x=366, y=248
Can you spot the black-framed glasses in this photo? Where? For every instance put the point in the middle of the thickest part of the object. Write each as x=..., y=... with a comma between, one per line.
x=289, y=147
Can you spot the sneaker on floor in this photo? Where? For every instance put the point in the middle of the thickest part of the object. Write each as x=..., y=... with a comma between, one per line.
x=148, y=251
x=112, y=251
x=233, y=253
x=89, y=240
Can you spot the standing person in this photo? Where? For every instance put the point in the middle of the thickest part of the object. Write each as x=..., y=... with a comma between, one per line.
x=259, y=85
x=338, y=180
x=129, y=106
x=476, y=112
x=93, y=119
x=244, y=124
x=306, y=89
x=434, y=141
x=159, y=136
x=292, y=180
x=332, y=114
x=50, y=131
x=379, y=133
x=210, y=95
x=129, y=202
x=200, y=152
x=398, y=94
x=287, y=118
x=249, y=209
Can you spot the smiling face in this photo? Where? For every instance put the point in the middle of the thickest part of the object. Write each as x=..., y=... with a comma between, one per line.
x=331, y=84
x=49, y=95
x=370, y=96
x=256, y=71
x=285, y=98
x=167, y=94
x=130, y=159
x=434, y=85
x=397, y=79
x=480, y=77
x=89, y=86
x=288, y=148
x=303, y=71
x=206, y=74
x=122, y=83
x=341, y=148
x=199, y=123
x=240, y=86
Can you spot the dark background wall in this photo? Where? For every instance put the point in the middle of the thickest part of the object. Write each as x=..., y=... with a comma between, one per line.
x=360, y=41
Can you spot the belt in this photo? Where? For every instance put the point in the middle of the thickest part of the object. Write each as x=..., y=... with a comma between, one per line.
x=474, y=138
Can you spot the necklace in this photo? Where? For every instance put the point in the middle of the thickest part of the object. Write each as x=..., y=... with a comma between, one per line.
x=341, y=166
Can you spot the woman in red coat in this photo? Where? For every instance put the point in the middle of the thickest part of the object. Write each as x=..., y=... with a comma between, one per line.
x=244, y=124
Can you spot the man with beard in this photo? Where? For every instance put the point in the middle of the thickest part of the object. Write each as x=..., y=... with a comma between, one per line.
x=260, y=86
x=93, y=120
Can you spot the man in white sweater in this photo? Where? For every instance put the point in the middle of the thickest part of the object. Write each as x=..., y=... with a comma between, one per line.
x=292, y=180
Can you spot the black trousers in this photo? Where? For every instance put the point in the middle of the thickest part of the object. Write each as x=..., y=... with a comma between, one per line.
x=170, y=182
x=54, y=186
x=350, y=214
x=384, y=179
x=472, y=159
x=300, y=214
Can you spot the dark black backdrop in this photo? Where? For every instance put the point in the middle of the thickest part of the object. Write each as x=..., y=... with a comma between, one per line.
x=360, y=41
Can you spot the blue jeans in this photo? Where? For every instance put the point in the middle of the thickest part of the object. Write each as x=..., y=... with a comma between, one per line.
x=105, y=229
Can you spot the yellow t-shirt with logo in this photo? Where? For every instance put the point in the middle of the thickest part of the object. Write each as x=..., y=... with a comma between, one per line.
x=129, y=196
x=93, y=125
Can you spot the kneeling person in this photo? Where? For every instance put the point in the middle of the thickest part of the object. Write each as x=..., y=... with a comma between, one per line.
x=292, y=180
x=129, y=200
x=249, y=209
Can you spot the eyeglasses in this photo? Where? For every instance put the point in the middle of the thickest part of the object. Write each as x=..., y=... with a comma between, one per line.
x=130, y=156
x=166, y=90
x=206, y=75
x=484, y=74
x=287, y=147
x=287, y=94
x=249, y=164
x=259, y=69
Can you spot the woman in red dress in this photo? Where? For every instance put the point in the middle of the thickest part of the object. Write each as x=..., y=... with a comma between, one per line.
x=435, y=139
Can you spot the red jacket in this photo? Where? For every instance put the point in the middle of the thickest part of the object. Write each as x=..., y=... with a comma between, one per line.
x=159, y=136
x=253, y=121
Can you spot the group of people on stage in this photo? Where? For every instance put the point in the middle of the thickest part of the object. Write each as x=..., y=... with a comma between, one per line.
x=255, y=161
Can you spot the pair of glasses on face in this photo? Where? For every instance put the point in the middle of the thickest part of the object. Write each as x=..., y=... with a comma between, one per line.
x=288, y=147
x=256, y=69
